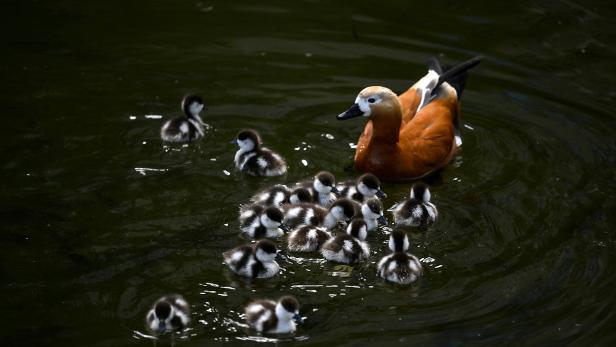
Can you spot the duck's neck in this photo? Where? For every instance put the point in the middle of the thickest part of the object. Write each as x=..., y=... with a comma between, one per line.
x=386, y=124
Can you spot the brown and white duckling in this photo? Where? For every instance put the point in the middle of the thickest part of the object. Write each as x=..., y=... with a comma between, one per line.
x=372, y=213
x=312, y=214
x=350, y=247
x=258, y=221
x=307, y=238
x=322, y=188
x=254, y=159
x=400, y=266
x=276, y=195
x=416, y=211
x=366, y=186
x=253, y=261
x=188, y=127
x=267, y=316
x=168, y=314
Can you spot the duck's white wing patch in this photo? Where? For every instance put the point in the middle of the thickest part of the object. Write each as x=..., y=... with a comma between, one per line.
x=425, y=86
x=184, y=128
x=262, y=162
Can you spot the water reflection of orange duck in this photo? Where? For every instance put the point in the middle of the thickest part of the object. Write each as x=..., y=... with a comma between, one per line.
x=416, y=133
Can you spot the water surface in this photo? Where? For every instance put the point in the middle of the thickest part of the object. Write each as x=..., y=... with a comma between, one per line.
x=100, y=218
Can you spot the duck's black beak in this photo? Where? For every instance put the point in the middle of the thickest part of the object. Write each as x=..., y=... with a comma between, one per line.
x=335, y=191
x=284, y=227
x=234, y=141
x=381, y=194
x=382, y=220
x=352, y=112
x=298, y=319
x=161, y=326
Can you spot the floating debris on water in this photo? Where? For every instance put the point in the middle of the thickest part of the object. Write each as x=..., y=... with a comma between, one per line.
x=427, y=260
x=227, y=173
x=153, y=116
x=468, y=127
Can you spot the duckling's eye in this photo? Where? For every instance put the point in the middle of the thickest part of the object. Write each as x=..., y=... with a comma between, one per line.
x=371, y=100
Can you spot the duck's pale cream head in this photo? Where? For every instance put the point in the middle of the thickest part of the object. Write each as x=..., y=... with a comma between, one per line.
x=372, y=101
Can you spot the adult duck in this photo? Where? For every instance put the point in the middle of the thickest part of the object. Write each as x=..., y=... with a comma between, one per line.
x=414, y=134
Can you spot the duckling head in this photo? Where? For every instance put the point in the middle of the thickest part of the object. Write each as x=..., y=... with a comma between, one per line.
x=373, y=209
x=248, y=140
x=343, y=209
x=287, y=309
x=369, y=185
x=371, y=102
x=163, y=314
x=265, y=251
x=300, y=195
x=272, y=217
x=398, y=241
x=325, y=183
x=358, y=228
x=420, y=192
x=192, y=105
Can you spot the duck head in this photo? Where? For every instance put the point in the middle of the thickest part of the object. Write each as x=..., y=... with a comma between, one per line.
x=248, y=140
x=373, y=102
x=192, y=105
x=420, y=192
x=265, y=251
x=398, y=241
x=325, y=183
x=287, y=309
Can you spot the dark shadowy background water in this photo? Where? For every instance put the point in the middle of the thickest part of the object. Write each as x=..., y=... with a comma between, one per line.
x=99, y=218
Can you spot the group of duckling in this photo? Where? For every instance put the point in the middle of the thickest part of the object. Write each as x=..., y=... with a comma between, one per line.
x=306, y=214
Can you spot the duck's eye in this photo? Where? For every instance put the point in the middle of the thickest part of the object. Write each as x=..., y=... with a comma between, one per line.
x=371, y=100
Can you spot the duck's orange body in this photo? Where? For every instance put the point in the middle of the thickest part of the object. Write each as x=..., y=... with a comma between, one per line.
x=406, y=137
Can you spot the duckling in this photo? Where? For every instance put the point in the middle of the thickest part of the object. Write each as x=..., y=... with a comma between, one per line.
x=312, y=214
x=273, y=196
x=400, y=266
x=300, y=195
x=322, y=188
x=414, y=134
x=185, y=128
x=307, y=238
x=366, y=187
x=372, y=213
x=256, y=160
x=256, y=261
x=416, y=211
x=168, y=314
x=267, y=316
x=258, y=221
x=350, y=247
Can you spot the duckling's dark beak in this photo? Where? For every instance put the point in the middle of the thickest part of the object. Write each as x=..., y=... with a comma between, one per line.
x=161, y=326
x=234, y=141
x=381, y=194
x=382, y=220
x=352, y=112
x=298, y=319
x=335, y=191
x=284, y=227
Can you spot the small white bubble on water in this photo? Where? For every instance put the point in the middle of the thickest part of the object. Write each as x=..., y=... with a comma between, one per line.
x=132, y=117
x=227, y=173
x=328, y=136
x=304, y=162
x=352, y=145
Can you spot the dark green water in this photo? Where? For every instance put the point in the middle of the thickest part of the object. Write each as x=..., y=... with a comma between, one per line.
x=524, y=249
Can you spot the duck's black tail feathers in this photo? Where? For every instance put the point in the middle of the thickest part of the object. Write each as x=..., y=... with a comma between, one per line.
x=455, y=76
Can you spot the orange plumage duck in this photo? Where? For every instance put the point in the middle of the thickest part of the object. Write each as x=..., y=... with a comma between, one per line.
x=416, y=133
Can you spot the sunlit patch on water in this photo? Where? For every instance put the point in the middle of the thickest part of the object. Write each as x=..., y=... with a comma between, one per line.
x=145, y=170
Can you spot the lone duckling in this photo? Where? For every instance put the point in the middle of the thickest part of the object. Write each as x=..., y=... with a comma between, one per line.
x=312, y=214
x=256, y=261
x=168, y=314
x=257, y=221
x=416, y=211
x=366, y=186
x=322, y=188
x=307, y=238
x=267, y=316
x=400, y=266
x=256, y=160
x=188, y=127
x=348, y=248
